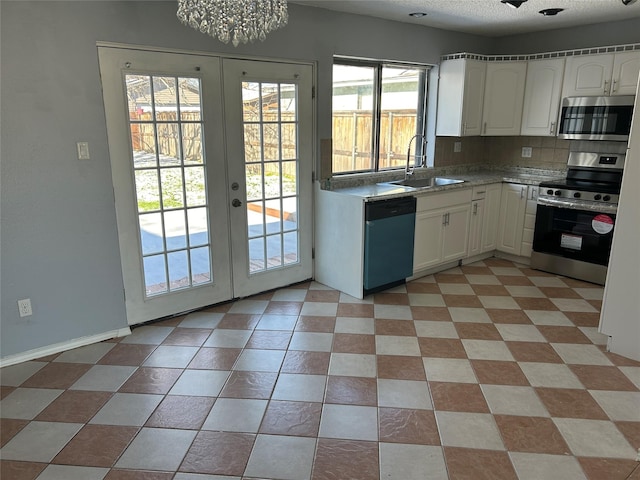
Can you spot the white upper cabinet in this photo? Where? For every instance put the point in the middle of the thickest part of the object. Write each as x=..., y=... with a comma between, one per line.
x=503, y=98
x=542, y=97
x=460, y=97
x=605, y=74
x=626, y=69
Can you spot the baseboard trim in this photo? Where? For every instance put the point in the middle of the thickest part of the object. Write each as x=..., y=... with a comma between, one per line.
x=62, y=346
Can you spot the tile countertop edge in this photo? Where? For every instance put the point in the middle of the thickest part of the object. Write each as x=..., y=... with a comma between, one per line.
x=386, y=191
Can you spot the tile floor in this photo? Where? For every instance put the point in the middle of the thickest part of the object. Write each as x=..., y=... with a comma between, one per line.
x=488, y=371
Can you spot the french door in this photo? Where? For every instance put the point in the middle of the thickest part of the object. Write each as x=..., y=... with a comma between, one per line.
x=207, y=172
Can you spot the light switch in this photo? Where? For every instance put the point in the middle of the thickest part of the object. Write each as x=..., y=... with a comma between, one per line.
x=83, y=151
x=526, y=152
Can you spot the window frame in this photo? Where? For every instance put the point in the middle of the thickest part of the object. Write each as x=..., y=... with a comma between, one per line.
x=420, y=150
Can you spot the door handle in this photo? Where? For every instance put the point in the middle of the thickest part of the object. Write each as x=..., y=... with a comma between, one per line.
x=236, y=203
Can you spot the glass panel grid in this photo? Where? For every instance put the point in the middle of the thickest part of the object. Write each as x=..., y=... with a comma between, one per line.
x=271, y=159
x=170, y=179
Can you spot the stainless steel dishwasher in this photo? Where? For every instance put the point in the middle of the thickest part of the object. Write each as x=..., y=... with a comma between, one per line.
x=388, y=242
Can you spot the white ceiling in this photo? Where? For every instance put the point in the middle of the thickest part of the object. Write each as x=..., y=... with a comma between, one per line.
x=486, y=17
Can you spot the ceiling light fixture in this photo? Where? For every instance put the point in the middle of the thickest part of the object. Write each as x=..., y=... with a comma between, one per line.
x=514, y=3
x=238, y=21
x=417, y=14
x=550, y=12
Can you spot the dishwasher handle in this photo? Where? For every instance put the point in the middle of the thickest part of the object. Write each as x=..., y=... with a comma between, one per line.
x=389, y=208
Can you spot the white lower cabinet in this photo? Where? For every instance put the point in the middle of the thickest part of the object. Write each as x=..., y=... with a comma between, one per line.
x=483, y=224
x=442, y=228
x=517, y=219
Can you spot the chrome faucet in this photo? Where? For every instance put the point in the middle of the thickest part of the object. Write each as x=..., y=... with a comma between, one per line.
x=409, y=169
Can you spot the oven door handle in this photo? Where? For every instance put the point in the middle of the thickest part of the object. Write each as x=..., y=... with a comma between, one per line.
x=578, y=205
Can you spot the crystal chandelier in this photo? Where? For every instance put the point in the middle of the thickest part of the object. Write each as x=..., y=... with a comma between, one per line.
x=240, y=21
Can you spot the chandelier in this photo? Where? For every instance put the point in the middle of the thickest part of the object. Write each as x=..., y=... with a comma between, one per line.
x=240, y=21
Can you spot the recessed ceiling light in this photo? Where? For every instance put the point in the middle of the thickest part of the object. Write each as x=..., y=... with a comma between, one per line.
x=549, y=12
x=418, y=14
x=514, y=3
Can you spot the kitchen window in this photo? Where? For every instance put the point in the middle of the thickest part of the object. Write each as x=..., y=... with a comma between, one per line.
x=378, y=107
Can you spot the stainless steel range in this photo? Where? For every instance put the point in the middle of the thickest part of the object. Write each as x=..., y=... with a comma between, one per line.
x=576, y=217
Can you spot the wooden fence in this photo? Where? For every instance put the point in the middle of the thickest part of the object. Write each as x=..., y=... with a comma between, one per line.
x=352, y=136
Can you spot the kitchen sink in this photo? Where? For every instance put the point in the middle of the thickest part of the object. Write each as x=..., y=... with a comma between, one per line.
x=426, y=182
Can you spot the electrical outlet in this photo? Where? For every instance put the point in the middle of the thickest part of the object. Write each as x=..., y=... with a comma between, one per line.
x=457, y=147
x=24, y=307
x=83, y=151
x=526, y=152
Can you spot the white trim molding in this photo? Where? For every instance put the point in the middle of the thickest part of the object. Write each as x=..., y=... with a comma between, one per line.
x=62, y=346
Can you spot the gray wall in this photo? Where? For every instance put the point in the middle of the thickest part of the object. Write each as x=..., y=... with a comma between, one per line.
x=598, y=35
x=59, y=242
x=59, y=239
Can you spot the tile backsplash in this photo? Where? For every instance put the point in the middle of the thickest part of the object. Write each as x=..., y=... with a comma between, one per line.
x=548, y=153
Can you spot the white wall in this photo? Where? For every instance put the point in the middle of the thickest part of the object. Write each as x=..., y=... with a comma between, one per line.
x=620, y=315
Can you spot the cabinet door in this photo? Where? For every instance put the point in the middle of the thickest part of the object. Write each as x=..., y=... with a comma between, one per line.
x=456, y=233
x=490, y=219
x=460, y=97
x=473, y=99
x=626, y=68
x=503, y=98
x=512, y=208
x=542, y=97
x=428, y=239
x=588, y=75
x=475, y=227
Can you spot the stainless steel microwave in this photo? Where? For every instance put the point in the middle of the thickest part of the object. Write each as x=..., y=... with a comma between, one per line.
x=596, y=118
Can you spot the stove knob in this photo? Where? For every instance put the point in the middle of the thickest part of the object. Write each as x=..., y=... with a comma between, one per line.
x=549, y=192
x=557, y=193
x=577, y=195
x=606, y=198
x=597, y=197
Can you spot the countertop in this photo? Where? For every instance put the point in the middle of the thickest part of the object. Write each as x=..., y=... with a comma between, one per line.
x=378, y=191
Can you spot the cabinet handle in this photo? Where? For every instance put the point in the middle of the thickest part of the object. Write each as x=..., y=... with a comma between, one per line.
x=614, y=87
x=522, y=189
x=448, y=218
x=606, y=90
x=444, y=220
x=475, y=209
x=552, y=130
x=485, y=127
x=464, y=128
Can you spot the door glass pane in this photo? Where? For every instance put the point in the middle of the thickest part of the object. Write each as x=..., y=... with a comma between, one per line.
x=195, y=186
x=151, y=233
x=179, y=274
x=165, y=100
x=256, y=255
x=189, y=95
x=166, y=128
x=254, y=182
x=400, y=103
x=270, y=136
x=352, y=105
x=192, y=144
x=147, y=190
x=176, y=229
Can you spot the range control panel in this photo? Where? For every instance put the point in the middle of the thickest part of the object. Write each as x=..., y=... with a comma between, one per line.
x=577, y=194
